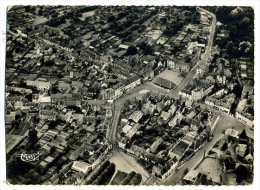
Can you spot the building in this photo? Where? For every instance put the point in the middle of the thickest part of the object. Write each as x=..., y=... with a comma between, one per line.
x=245, y=113
x=80, y=166
x=196, y=90
x=201, y=70
x=164, y=83
x=223, y=103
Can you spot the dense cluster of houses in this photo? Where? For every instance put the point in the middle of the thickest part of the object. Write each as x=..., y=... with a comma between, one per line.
x=196, y=89
x=231, y=153
x=178, y=129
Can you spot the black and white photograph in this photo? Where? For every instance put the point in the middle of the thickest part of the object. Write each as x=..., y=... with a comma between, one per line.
x=129, y=95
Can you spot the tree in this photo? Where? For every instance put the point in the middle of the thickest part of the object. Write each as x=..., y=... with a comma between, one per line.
x=40, y=12
x=245, y=47
x=111, y=18
x=52, y=124
x=163, y=20
x=128, y=178
x=148, y=50
x=32, y=136
x=136, y=179
x=131, y=50
x=242, y=173
x=224, y=147
x=15, y=124
x=186, y=171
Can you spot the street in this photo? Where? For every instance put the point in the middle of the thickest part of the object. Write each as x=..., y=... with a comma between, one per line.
x=225, y=122
x=128, y=163
x=204, y=59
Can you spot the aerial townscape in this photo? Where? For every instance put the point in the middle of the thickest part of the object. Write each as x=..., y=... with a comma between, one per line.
x=129, y=95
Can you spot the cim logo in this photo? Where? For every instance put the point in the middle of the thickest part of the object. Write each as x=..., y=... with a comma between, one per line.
x=29, y=157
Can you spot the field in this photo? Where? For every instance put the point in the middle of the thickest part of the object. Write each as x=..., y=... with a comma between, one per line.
x=171, y=75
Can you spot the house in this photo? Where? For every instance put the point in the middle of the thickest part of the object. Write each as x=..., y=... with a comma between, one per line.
x=201, y=70
x=165, y=116
x=134, y=81
x=63, y=86
x=191, y=177
x=136, y=116
x=9, y=118
x=55, y=179
x=18, y=105
x=41, y=85
x=244, y=113
x=133, y=130
x=210, y=78
x=172, y=109
x=223, y=103
x=195, y=124
x=202, y=46
x=81, y=166
x=155, y=145
x=183, y=66
x=143, y=96
x=171, y=63
x=47, y=114
x=148, y=108
x=79, y=151
x=126, y=128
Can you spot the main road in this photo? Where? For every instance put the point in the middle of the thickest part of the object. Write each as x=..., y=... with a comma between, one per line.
x=123, y=161
x=112, y=136
x=205, y=56
x=225, y=122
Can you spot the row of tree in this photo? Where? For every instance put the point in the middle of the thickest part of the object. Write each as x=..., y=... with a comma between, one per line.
x=106, y=168
x=132, y=178
x=105, y=175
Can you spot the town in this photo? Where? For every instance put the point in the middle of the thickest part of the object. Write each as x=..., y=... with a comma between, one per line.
x=130, y=95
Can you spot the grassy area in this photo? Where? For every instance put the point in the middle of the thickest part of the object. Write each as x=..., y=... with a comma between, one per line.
x=118, y=178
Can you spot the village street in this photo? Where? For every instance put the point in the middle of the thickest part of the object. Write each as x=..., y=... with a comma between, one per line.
x=224, y=123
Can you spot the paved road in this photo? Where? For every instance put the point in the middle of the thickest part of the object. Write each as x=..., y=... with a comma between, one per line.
x=204, y=59
x=225, y=122
x=174, y=178
x=127, y=163
x=120, y=101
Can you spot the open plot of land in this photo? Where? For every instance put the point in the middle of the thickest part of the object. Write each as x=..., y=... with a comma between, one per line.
x=170, y=75
x=212, y=168
x=128, y=164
